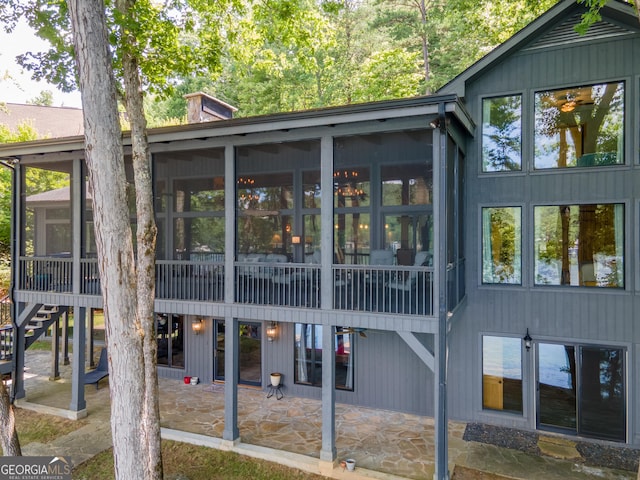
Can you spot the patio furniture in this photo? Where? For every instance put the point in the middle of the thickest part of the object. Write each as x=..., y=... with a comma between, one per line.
x=409, y=293
x=101, y=371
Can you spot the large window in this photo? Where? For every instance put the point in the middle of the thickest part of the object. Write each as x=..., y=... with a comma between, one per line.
x=579, y=245
x=170, y=338
x=580, y=126
x=502, y=134
x=308, y=356
x=502, y=374
x=581, y=389
x=501, y=245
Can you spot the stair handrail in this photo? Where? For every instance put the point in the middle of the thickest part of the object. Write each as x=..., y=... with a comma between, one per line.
x=5, y=310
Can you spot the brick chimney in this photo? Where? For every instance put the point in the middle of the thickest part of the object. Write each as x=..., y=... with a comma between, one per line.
x=205, y=108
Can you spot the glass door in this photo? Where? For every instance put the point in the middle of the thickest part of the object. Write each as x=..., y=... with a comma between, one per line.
x=250, y=352
x=218, y=353
x=581, y=390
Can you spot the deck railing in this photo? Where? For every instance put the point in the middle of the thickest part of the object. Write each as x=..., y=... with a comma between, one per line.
x=391, y=289
x=45, y=274
x=190, y=280
x=367, y=288
x=287, y=284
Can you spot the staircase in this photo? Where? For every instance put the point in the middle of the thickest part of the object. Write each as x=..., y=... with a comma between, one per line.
x=37, y=325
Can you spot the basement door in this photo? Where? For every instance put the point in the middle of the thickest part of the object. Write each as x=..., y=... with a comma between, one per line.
x=581, y=390
x=250, y=353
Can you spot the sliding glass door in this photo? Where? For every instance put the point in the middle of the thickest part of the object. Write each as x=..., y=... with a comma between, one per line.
x=581, y=389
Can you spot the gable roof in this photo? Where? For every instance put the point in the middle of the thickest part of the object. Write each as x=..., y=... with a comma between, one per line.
x=51, y=122
x=554, y=27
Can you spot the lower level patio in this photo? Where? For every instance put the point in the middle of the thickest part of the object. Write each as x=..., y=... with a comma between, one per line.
x=385, y=444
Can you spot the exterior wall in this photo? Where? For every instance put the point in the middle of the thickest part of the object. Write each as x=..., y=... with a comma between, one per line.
x=596, y=316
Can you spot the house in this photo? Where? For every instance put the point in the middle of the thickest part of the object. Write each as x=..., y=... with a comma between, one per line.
x=352, y=249
x=50, y=122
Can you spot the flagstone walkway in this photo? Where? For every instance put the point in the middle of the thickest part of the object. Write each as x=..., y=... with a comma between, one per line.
x=385, y=444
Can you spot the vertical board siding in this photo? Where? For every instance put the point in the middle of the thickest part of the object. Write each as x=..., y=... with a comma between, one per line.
x=570, y=314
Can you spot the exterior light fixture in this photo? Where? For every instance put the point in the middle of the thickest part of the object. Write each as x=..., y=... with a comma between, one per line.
x=197, y=326
x=296, y=239
x=272, y=331
x=527, y=341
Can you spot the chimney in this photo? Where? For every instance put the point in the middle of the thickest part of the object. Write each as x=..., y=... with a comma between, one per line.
x=205, y=108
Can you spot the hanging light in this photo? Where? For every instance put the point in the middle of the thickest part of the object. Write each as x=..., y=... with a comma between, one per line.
x=272, y=330
x=527, y=341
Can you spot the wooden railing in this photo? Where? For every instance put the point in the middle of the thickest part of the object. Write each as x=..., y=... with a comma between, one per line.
x=45, y=274
x=190, y=280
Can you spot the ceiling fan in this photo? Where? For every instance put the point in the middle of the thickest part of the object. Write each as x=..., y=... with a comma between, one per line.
x=349, y=330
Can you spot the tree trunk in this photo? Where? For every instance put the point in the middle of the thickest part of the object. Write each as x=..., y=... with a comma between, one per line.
x=105, y=162
x=8, y=433
x=146, y=249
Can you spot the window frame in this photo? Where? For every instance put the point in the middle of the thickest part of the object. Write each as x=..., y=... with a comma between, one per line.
x=315, y=334
x=482, y=281
x=523, y=134
x=625, y=246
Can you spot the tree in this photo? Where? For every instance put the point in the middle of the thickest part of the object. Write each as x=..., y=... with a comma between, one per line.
x=150, y=44
x=45, y=99
x=592, y=15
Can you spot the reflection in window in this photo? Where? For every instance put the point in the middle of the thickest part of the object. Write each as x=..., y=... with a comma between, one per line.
x=502, y=134
x=582, y=390
x=501, y=245
x=580, y=245
x=580, y=127
x=502, y=374
x=200, y=238
x=308, y=356
x=352, y=238
x=199, y=195
x=170, y=338
x=406, y=185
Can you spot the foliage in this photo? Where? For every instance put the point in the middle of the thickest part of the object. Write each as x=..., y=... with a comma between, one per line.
x=592, y=15
x=45, y=99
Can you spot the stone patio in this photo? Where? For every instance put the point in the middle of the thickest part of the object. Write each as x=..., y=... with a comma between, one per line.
x=385, y=444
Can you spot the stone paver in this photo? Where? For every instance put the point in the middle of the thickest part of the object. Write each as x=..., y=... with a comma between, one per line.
x=384, y=444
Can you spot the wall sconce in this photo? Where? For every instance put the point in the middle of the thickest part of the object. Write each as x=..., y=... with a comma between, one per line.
x=272, y=330
x=527, y=341
x=296, y=239
x=197, y=326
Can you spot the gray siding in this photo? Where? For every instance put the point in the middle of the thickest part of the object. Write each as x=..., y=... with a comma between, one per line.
x=590, y=315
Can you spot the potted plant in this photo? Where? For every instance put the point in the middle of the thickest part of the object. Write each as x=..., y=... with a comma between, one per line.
x=275, y=379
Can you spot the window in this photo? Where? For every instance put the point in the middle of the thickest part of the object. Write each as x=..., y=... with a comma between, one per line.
x=579, y=245
x=502, y=374
x=502, y=134
x=501, y=245
x=308, y=356
x=580, y=126
x=170, y=338
x=581, y=389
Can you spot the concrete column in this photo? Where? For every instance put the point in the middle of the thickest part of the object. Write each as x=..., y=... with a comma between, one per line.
x=231, y=433
x=78, y=403
x=328, y=452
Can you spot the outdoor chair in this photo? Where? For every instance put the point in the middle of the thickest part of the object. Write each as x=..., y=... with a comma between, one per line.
x=101, y=371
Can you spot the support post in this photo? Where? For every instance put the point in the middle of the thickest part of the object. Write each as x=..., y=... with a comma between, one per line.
x=65, y=339
x=231, y=431
x=78, y=402
x=229, y=223
x=328, y=452
x=55, y=351
x=440, y=234
x=92, y=363
x=326, y=223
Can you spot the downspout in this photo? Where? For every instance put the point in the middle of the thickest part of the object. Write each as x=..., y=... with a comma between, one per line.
x=9, y=163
